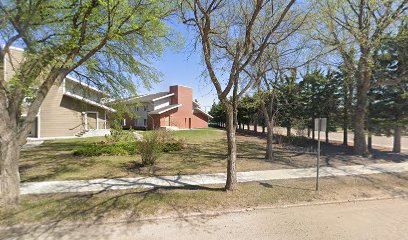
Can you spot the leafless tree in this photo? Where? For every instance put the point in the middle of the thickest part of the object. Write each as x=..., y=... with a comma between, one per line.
x=229, y=33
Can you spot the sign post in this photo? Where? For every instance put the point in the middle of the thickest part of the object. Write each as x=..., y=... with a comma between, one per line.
x=320, y=124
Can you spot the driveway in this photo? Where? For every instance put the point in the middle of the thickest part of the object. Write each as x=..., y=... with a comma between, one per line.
x=381, y=219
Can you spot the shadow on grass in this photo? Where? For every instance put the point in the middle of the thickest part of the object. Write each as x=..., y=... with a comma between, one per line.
x=59, y=209
x=331, y=152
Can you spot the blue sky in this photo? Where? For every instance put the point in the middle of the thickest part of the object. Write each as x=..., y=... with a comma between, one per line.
x=183, y=67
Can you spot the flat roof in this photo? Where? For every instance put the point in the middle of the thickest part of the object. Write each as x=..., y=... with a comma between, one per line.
x=72, y=95
x=165, y=109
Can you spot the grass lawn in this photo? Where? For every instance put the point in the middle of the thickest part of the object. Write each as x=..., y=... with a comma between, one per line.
x=135, y=204
x=206, y=153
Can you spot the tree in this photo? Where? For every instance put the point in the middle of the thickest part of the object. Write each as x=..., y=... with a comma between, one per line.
x=217, y=111
x=233, y=36
x=247, y=109
x=319, y=95
x=288, y=101
x=389, y=109
x=355, y=28
x=102, y=42
x=345, y=79
x=280, y=57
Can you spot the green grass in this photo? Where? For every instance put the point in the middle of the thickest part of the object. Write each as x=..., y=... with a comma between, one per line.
x=205, y=153
x=200, y=135
x=53, y=160
x=132, y=204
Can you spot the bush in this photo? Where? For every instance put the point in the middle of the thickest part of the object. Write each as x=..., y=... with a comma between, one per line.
x=150, y=148
x=172, y=146
x=122, y=148
x=169, y=142
x=120, y=135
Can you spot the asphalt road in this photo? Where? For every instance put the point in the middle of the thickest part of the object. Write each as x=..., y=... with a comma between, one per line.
x=381, y=219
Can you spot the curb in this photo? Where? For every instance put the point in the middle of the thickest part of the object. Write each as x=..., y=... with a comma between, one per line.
x=209, y=214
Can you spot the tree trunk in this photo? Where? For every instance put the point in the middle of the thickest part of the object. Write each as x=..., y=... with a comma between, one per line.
x=313, y=133
x=288, y=131
x=9, y=174
x=369, y=141
x=397, y=140
x=232, y=151
x=345, y=136
x=345, y=125
x=263, y=129
x=269, y=131
x=269, y=142
x=327, y=135
x=363, y=86
x=248, y=127
x=255, y=126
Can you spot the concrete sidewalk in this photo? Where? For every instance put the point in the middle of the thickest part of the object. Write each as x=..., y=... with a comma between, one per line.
x=204, y=179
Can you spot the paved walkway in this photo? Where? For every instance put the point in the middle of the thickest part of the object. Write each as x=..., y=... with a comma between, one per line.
x=204, y=179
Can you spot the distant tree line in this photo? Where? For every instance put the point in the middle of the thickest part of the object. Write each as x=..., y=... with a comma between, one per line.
x=300, y=98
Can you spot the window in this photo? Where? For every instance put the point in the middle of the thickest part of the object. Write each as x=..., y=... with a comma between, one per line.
x=144, y=108
x=135, y=123
x=124, y=122
x=137, y=109
x=144, y=122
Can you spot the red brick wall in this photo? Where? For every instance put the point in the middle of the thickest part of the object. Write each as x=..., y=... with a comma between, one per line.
x=200, y=120
x=180, y=117
x=153, y=120
x=129, y=122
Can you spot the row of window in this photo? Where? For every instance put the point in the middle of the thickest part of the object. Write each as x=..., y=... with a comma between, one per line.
x=140, y=108
x=137, y=122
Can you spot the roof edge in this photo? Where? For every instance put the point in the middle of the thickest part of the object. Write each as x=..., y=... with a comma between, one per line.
x=166, y=110
x=86, y=85
x=203, y=112
x=69, y=94
x=163, y=97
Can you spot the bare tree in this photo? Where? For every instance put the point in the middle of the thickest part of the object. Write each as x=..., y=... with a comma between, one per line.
x=227, y=31
x=356, y=28
x=282, y=58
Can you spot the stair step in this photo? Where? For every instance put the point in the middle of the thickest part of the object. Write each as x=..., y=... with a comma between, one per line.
x=81, y=133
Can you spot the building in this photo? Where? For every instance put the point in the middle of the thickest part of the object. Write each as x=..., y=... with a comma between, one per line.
x=174, y=109
x=71, y=109
x=76, y=109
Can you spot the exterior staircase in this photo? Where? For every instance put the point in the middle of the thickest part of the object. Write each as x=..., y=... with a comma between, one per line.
x=81, y=133
x=93, y=133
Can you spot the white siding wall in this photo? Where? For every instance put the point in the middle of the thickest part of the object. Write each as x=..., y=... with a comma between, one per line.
x=78, y=89
x=161, y=103
x=141, y=114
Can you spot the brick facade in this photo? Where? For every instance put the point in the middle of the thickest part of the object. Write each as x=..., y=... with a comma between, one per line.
x=179, y=112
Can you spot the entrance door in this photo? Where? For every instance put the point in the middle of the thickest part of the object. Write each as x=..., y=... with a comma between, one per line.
x=189, y=123
x=34, y=129
x=91, y=120
x=167, y=121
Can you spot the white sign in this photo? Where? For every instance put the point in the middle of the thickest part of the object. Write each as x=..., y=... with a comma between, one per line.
x=320, y=124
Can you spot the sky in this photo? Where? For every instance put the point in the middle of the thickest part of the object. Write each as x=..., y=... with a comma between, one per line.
x=183, y=67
